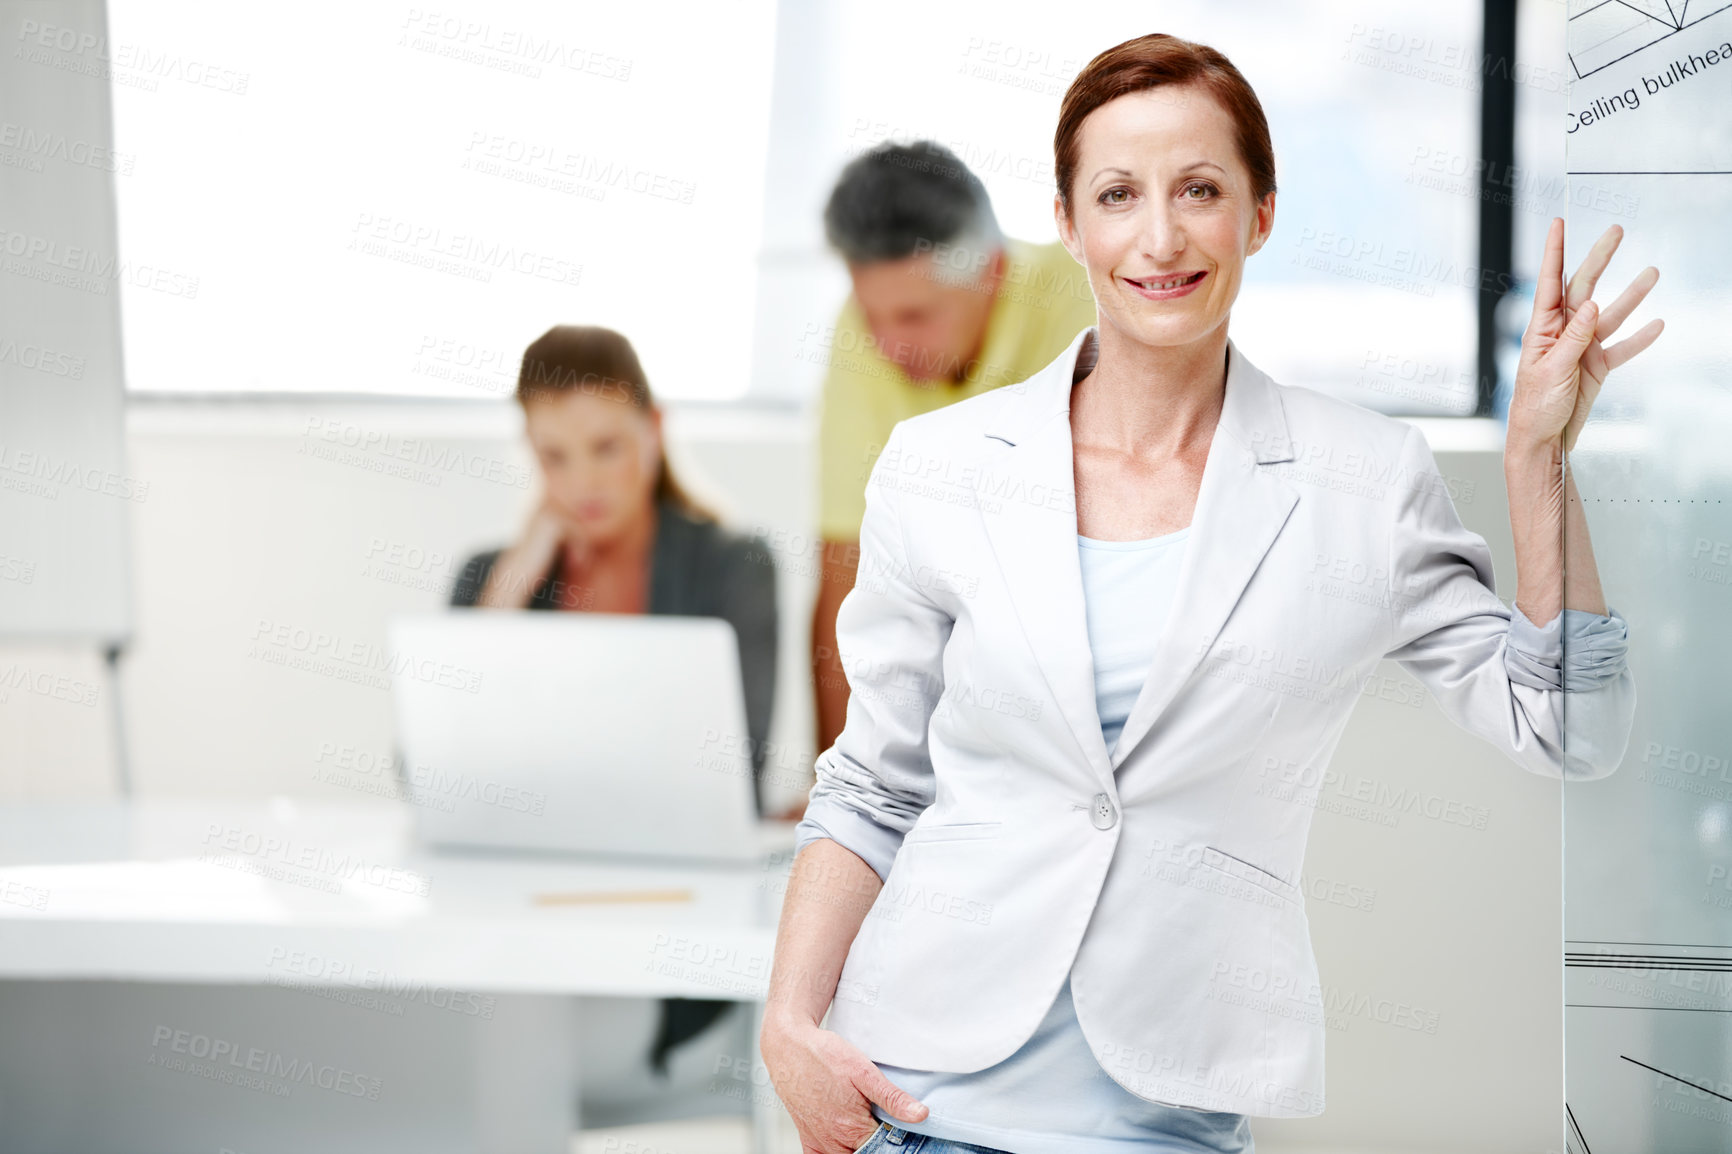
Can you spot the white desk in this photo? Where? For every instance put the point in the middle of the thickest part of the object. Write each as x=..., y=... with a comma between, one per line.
x=429, y=994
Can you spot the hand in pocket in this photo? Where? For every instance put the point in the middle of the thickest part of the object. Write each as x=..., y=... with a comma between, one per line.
x=829, y=1087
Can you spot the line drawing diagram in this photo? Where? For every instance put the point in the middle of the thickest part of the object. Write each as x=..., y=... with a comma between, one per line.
x=1603, y=32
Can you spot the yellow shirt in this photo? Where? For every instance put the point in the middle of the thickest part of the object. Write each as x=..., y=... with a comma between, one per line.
x=1043, y=302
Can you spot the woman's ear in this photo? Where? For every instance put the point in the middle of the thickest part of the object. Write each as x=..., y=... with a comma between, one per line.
x=1066, y=230
x=1263, y=225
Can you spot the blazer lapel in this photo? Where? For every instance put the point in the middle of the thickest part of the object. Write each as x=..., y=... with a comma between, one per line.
x=1241, y=508
x=1027, y=484
x=1028, y=506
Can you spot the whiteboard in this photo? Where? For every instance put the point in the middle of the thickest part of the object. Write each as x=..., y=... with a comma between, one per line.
x=66, y=498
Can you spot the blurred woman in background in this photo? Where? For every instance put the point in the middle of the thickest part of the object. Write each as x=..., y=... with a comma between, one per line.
x=614, y=532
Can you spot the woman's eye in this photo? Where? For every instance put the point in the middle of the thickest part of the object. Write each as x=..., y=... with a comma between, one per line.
x=1207, y=189
x=1110, y=195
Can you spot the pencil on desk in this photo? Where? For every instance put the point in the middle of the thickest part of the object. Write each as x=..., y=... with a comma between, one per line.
x=583, y=896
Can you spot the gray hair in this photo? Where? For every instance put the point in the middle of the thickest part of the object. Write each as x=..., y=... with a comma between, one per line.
x=900, y=200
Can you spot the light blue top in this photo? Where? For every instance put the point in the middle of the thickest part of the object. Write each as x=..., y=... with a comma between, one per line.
x=1051, y=1096
x=1128, y=590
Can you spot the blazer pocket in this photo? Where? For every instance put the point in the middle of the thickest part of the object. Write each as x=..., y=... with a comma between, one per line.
x=1246, y=872
x=953, y=831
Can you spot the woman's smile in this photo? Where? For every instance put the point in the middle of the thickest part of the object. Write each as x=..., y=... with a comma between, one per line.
x=1166, y=288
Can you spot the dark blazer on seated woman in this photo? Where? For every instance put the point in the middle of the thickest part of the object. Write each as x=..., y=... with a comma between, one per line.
x=698, y=569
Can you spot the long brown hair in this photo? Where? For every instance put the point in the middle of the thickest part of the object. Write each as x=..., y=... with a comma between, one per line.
x=1149, y=62
x=601, y=362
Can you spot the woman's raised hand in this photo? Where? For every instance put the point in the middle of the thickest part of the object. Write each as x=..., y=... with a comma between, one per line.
x=1563, y=364
x=511, y=584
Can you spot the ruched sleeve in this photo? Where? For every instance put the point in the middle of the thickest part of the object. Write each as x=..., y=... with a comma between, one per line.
x=877, y=779
x=1576, y=651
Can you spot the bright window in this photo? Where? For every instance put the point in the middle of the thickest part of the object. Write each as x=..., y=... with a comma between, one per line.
x=398, y=199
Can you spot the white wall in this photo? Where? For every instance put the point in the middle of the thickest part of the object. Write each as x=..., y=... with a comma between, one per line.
x=245, y=527
x=1454, y=927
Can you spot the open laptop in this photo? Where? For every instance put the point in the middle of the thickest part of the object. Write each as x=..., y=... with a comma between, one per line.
x=621, y=735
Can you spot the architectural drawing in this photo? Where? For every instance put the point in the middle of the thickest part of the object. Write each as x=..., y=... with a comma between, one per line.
x=1603, y=32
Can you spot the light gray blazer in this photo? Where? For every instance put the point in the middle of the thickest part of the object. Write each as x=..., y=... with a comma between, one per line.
x=973, y=774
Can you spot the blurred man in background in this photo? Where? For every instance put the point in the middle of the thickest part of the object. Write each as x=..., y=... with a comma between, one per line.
x=944, y=307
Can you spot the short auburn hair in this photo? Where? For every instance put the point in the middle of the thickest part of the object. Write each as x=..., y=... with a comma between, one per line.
x=1150, y=62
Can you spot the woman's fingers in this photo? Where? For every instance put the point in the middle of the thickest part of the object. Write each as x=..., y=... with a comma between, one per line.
x=1548, y=292
x=1574, y=340
x=898, y=1102
x=1621, y=352
x=1588, y=272
x=1592, y=376
x=1619, y=310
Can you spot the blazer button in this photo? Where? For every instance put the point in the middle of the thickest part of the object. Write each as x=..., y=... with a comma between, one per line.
x=1104, y=814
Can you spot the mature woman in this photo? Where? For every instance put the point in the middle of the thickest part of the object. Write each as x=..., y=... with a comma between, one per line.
x=1047, y=883
x=615, y=532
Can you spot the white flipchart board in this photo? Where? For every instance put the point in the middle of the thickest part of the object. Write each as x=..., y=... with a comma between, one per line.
x=65, y=494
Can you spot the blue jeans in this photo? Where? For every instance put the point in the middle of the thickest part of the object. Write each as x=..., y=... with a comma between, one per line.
x=888, y=1139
